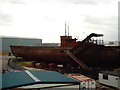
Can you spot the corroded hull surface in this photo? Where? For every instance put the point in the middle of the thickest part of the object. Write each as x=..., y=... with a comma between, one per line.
x=95, y=56
x=101, y=56
x=43, y=54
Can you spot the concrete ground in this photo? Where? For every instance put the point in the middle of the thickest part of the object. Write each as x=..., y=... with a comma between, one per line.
x=4, y=63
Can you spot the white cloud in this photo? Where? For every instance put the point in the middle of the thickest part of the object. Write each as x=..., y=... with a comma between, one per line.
x=45, y=18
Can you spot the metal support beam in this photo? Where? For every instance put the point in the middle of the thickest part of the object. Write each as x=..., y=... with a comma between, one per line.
x=82, y=64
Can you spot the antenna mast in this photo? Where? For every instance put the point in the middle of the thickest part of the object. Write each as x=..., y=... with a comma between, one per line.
x=68, y=29
x=65, y=28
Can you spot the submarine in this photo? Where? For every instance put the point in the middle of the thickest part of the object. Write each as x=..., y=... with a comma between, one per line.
x=86, y=54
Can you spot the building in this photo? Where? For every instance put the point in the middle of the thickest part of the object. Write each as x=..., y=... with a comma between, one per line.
x=34, y=80
x=86, y=82
x=110, y=78
x=50, y=44
x=7, y=41
x=112, y=43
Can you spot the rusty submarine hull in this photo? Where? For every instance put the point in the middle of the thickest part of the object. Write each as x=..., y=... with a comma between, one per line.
x=85, y=54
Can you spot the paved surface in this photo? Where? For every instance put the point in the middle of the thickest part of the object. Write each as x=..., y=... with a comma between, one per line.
x=4, y=62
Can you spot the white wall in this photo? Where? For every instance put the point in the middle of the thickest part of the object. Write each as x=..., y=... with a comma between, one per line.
x=112, y=80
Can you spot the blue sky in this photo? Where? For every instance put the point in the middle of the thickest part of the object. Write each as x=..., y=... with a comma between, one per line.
x=45, y=19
